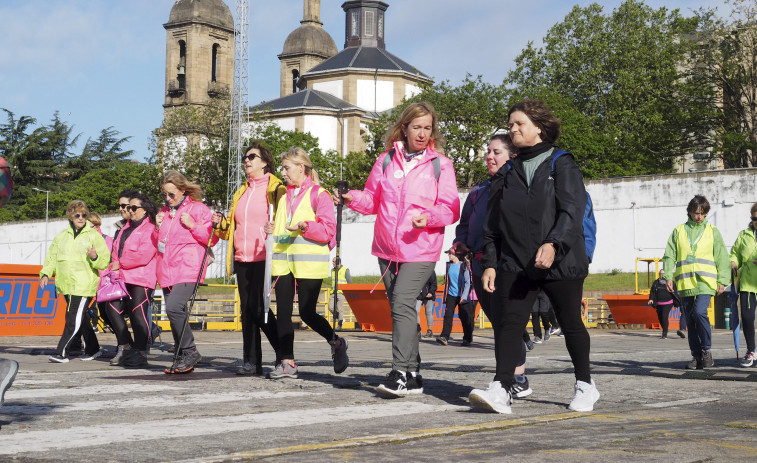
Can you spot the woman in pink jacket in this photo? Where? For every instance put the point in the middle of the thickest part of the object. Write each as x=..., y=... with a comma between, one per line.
x=184, y=229
x=134, y=256
x=413, y=190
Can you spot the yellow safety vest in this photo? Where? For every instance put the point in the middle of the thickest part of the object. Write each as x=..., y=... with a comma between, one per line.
x=698, y=264
x=293, y=253
x=342, y=275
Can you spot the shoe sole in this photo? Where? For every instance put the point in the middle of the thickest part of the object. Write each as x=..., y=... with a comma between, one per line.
x=88, y=359
x=479, y=402
x=172, y=371
x=392, y=393
x=65, y=360
x=523, y=394
x=417, y=390
x=270, y=376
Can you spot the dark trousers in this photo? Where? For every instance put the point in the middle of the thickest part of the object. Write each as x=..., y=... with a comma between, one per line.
x=535, y=317
x=700, y=333
x=748, y=304
x=513, y=299
x=663, y=314
x=485, y=299
x=251, y=282
x=307, y=296
x=137, y=308
x=116, y=314
x=466, y=311
x=78, y=323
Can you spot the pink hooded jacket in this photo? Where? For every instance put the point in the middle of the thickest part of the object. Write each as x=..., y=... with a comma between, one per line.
x=138, y=262
x=184, y=248
x=396, y=198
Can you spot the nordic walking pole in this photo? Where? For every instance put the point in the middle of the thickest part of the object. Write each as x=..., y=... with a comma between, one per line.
x=341, y=187
x=191, y=303
x=267, y=273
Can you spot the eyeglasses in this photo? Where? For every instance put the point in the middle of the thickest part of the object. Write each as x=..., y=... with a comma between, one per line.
x=250, y=156
x=168, y=195
x=122, y=206
x=84, y=216
x=133, y=208
x=754, y=219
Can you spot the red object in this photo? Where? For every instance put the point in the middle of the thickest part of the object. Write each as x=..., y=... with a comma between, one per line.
x=373, y=313
x=633, y=308
x=25, y=308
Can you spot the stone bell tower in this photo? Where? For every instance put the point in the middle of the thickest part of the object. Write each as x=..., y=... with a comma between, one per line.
x=199, y=52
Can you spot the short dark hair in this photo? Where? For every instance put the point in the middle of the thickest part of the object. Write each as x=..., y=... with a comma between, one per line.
x=507, y=141
x=151, y=209
x=541, y=116
x=265, y=155
x=697, y=202
x=127, y=193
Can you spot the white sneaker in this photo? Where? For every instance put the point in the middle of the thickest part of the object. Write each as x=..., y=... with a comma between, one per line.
x=585, y=397
x=495, y=398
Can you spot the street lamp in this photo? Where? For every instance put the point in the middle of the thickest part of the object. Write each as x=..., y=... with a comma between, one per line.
x=47, y=208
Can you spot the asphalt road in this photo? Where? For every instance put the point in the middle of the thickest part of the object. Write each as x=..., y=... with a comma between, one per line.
x=651, y=409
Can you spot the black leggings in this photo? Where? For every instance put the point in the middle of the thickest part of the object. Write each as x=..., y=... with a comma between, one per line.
x=251, y=282
x=116, y=314
x=512, y=304
x=748, y=305
x=544, y=316
x=137, y=309
x=77, y=323
x=663, y=315
x=307, y=296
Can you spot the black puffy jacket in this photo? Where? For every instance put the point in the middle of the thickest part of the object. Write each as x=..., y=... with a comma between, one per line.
x=519, y=219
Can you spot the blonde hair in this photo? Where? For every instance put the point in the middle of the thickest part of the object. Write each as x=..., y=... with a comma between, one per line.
x=94, y=219
x=190, y=189
x=77, y=205
x=415, y=110
x=299, y=156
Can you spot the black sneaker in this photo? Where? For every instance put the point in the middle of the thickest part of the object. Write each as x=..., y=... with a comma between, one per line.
x=394, y=385
x=414, y=383
x=681, y=334
x=186, y=363
x=428, y=334
x=520, y=390
x=135, y=360
x=339, y=355
x=694, y=364
x=530, y=345
x=707, y=361
x=465, y=343
x=442, y=340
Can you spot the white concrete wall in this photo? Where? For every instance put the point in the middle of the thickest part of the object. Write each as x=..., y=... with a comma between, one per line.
x=411, y=90
x=324, y=128
x=285, y=124
x=333, y=87
x=375, y=95
x=625, y=230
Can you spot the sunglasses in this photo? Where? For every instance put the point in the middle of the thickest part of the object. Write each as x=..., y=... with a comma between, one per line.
x=249, y=156
x=122, y=206
x=133, y=208
x=84, y=216
x=168, y=195
x=754, y=219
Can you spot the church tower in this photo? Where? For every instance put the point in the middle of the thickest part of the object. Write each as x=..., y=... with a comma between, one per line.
x=365, y=23
x=199, y=52
x=306, y=47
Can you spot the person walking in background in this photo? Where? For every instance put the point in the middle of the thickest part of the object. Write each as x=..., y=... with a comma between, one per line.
x=135, y=259
x=696, y=263
x=184, y=231
x=744, y=262
x=341, y=273
x=662, y=300
x=533, y=239
x=413, y=191
x=540, y=311
x=457, y=288
x=74, y=257
x=245, y=257
x=426, y=299
x=304, y=226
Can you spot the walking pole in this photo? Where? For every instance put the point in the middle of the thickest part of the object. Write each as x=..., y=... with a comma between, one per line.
x=267, y=277
x=192, y=301
x=341, y=187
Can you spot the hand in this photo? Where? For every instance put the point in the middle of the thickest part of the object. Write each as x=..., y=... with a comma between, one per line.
x=346, y=198
x=186, y=220
x=488, y=280
x=429, y=296
x=301, y=226
x=649, y=302
x=92, y=253
x=669, y=285
x=43, y=281
x=545, y=256
x=420, y=221
x=114, y=266
x=721, y=288
x=159, y=218
x=216, y=218
x=268, y=227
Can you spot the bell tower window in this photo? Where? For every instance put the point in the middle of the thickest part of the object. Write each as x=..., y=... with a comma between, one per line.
x=369, y=23
x=355, y=23
x=181, y=74
x=214, y=65
x=295, y=80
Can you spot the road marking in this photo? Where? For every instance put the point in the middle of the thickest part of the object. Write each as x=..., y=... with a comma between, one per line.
x=675, y=403
x=146, y=402
x=130, y=388
x=82, y=436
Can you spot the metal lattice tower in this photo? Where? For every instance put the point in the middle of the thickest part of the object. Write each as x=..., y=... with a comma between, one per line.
x=240, y=108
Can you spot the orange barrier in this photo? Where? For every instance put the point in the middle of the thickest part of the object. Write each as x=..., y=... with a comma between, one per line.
x=25, y=308
x=373, y=314
x=633, y=309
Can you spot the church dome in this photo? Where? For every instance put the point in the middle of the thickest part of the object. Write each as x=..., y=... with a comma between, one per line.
x=310, y=39
x=214, y=12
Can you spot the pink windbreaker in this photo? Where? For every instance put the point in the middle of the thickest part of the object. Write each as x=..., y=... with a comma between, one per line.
x=184, y=248
x=138, y=262
x=397, y=198
x=323, y=229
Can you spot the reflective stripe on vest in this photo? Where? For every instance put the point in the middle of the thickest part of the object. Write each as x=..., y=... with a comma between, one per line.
x=342, y=278
x=703, y=267
x=292, y=252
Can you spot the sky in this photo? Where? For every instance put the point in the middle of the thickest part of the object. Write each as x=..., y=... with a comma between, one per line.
x=101, y=63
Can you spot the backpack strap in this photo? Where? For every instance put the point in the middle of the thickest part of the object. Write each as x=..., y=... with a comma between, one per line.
x=314, y=192
x=554, y=159
x=435, y=162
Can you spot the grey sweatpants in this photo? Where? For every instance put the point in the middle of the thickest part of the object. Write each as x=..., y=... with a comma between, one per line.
x=403, y=282
x=177, y=297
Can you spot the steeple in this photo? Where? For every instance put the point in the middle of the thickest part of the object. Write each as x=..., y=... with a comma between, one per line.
x=312, y=12
x=365, y=23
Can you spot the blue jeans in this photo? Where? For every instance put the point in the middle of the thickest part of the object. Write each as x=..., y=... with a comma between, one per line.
x=694, y=309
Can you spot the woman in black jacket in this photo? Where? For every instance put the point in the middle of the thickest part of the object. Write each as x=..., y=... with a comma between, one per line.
x=533, y=239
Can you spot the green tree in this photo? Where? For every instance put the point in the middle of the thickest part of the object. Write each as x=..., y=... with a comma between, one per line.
x=102, y=153
x=629, y=102
x=727, y=58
